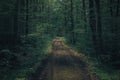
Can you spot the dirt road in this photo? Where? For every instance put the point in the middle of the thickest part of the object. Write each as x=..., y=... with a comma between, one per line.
x=64, y=64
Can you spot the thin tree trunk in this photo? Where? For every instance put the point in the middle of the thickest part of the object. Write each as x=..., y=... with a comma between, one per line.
x=111, y=14
x=116, y=27
x=72, y=22
x=65, y=20
x=65, y=24
x=92, y=22
x=111, y=7
x=117, y=9
x=99, y=26
x=16, y=22
x=84, y=14
x=27, y=14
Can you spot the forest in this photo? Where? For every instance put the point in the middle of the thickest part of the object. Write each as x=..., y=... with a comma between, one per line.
x=28, y=28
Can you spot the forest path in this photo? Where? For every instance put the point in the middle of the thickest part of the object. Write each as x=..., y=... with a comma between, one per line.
x=64, y=64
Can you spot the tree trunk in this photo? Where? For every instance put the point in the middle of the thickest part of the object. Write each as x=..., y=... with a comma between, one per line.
x=92, y=22
x=117, y=27
x=111, y=7
x=27, y=14
x=99, y=26
x=84, y=14
x=65, y=24
x=117, y=9
x=15, y=40
x=72, y=38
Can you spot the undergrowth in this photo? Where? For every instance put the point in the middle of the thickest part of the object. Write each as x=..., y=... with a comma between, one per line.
x=104, y=72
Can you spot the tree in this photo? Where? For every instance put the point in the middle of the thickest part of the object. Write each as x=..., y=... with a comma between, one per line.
x=84, y=13
x=27, y=17
x=99, y=26
x=72, y=39
x=92, y=22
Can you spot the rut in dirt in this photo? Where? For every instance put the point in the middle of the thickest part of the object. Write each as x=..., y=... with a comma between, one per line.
x=63, y=63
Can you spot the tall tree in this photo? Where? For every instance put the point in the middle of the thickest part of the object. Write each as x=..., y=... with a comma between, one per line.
x=92, y=22
x=16, y=22
x=99, y=26
x=84, y=13
x=72, y=39
x=117, y=7
x=27, y=17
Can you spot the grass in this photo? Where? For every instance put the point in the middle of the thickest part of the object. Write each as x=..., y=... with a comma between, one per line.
x=104, y=75
x=102, y=71
x=26, y=72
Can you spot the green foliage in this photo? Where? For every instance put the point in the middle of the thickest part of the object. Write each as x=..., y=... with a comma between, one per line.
x=8, y=59
x=27, y=29
x=106, y=75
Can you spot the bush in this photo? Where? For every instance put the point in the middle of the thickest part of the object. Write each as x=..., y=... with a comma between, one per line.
x=8, y=59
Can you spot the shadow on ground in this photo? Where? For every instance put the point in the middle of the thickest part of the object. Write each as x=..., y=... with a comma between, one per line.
x=62, y=64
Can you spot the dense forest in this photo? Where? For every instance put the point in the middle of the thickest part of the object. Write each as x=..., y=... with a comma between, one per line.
x=27, y=28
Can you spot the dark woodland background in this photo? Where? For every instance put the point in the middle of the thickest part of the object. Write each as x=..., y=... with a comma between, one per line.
x=27, y=28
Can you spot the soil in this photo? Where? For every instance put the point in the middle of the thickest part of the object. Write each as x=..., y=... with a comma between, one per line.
x=63, y=63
